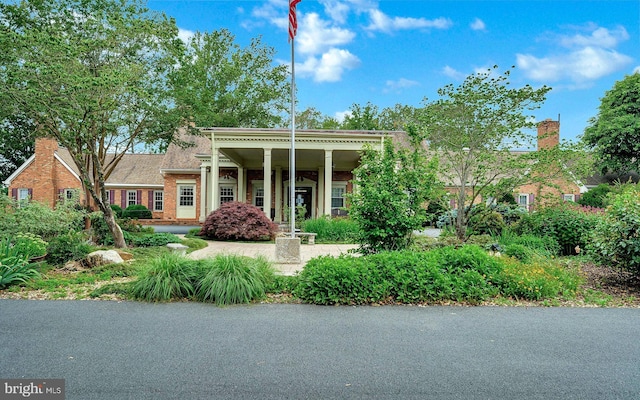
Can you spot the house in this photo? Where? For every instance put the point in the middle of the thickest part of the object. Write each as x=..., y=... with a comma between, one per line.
x=236, y=164
x=224, y=164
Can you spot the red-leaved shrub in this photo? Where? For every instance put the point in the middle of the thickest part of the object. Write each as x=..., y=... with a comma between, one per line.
x=238, y=221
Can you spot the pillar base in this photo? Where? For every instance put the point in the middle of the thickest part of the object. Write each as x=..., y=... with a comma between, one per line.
x=288, y=250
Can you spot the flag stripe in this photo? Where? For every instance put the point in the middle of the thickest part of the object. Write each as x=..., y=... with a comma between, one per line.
x=293, y=20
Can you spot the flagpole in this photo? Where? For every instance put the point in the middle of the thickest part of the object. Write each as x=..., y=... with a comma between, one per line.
x=292, y=153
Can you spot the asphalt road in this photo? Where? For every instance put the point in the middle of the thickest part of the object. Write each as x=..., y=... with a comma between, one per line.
x=127, y=350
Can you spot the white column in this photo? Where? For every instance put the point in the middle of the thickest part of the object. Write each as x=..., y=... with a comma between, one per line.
x=215, y=179
x=203, y=193
x=320, y=191
x=267, y=182
x=328, y=175
x=242, y=192
x=278, y=194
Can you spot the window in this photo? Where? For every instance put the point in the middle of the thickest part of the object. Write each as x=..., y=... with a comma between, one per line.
x=258, y=196
x=337, y=197
x=186, y=196
x=226, y=194
x=71, y=194
x=158, y=200
x=132, y=197
x=523, y=200
x=569, y=197
x=23, y=195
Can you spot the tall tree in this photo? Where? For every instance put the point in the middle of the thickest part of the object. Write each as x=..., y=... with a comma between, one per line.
x=222, y=84
x=311, y=118
x=91, y=74
x=614, y=134
x=365, y=117
x=472, y=129
x=17, y=142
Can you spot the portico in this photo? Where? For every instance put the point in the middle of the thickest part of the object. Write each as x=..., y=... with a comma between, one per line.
x=252, y=165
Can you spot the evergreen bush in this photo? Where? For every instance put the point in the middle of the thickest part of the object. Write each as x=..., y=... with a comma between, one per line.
x=137, y=211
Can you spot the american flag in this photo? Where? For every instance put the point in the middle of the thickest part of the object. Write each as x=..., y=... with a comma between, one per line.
x=293, y=20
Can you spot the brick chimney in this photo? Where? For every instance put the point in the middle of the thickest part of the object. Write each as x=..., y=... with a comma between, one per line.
x=44, y=179
x=548, y=134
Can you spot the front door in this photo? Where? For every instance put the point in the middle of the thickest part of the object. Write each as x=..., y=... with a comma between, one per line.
x=303, y=198
x=186, y=202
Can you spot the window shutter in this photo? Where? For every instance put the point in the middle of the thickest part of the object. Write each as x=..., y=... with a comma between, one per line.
x=30, y=191
x=14, y=193
x=150, y=200
x=138, y=196
x=576, y=197
x=123, y=199
x=60, y=194
x=452, y=203
x=531, y=200
x=112, y=196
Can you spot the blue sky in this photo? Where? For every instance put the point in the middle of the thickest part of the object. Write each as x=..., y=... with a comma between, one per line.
x=389, y=52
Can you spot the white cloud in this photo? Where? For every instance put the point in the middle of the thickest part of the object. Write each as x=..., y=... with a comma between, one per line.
x=636, y=70
x=382, y=22
x=185, y=34
x=599, y=37
x=397, y=86
x=330, y=66
x=587, y=64
x=589, y=57
x=453, y=73
x=316, y=35
x=478, y=25
x=336, y=10
x=341, y=115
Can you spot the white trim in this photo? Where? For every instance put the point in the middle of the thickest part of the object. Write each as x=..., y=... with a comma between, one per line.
x=19, y=170
x=568, y=197
x=67, y=166
x=526, y=203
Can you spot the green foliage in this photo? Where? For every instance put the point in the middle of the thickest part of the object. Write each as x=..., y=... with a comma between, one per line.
x=29, y=245
x=233, y=279
x=193, y=233
x=543, y=246
x=117, y=210
x=485, y=220
x=569, y=226
x=17, y=140
x=472, y=128
x=68, y=246
x=332, y=230
x=167, y=277
x=194, y=243
x=137, y=211
x=150, y=239
x=466, y=274
x=614, y=133
x=222, y=84
x=518, y=251
x=616, y=241
x=596, y=197
x=14, y=265
x=39, y=219
x=392, y=189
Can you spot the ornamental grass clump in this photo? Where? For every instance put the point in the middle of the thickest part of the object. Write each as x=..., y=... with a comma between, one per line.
x=233, y=279
x=167, y=277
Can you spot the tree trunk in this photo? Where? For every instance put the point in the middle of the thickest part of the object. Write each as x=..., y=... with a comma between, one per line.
x=116, y=232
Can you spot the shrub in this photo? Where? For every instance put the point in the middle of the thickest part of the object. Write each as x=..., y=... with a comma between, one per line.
x=137, y=211
x=233, y=279
x=29, y=245
x=388, y=205
x=596, y=197
x=544, y=246
x=519, y=252
x=238, y=221
x=616, y=241
x=67, y=247
x=167, y=277
x=14, y=265
x=117, y=210
x=150, y=239
x=485, y=220
x=39, y=219
x=336, y=229
x=569, y=226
